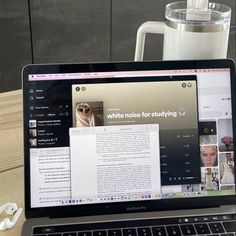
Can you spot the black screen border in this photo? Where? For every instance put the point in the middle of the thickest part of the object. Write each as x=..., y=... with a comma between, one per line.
x=123, y=207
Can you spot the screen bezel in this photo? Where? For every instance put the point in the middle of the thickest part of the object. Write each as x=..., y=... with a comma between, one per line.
x=122, y=207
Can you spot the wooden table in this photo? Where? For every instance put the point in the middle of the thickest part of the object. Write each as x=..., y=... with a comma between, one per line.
x=11, y=155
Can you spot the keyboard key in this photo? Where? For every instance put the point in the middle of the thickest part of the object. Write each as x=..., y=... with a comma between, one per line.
x=87, y=233
x=188, y=230
x=144, y=231
x=100, y=233
x=216, y=228
x=227, y=234
x=230, y=226
x=114, y=232
x=54, y=234
x=47, y=230
x=202, y=228
x=129, y=232
x=173, y=230
x=159, y=231
x=70, y=234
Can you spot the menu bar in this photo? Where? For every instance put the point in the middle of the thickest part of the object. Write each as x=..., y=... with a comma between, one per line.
x=114, y=74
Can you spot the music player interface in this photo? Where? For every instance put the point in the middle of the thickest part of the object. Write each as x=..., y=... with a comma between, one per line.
x=146, y=103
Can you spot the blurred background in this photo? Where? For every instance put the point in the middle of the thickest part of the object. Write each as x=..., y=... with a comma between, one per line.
x=74, y=31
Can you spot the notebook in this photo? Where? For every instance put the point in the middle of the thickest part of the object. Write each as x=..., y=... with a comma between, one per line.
x=130, y=148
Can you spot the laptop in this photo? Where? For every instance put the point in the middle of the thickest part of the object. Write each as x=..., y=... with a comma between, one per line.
x=130, y=148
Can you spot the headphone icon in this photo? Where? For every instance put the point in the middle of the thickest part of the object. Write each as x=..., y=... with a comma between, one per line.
x=11, y=209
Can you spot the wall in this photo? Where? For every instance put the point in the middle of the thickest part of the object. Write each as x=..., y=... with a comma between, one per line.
x=15, y=49
x=73, y=31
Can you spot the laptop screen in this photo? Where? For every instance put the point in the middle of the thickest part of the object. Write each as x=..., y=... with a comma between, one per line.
x=105, y=137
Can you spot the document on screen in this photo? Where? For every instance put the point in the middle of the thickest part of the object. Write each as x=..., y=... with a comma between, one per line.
x=115, y=162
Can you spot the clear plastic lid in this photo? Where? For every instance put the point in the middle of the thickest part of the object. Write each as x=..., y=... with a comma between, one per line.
x=215, y=14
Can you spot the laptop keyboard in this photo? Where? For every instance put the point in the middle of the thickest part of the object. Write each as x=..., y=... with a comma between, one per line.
x=224, y=225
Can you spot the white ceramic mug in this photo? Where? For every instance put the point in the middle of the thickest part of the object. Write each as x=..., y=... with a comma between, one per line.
x=185, y=40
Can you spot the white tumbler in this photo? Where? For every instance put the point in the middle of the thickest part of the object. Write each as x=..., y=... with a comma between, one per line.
x=189, y=32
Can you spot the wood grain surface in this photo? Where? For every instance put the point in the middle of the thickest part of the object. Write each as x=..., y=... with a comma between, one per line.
x=11, y=155
x=12, y=189
x=11, y=135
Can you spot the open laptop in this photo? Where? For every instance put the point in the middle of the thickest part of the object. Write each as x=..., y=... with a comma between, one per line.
x=130, y=149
